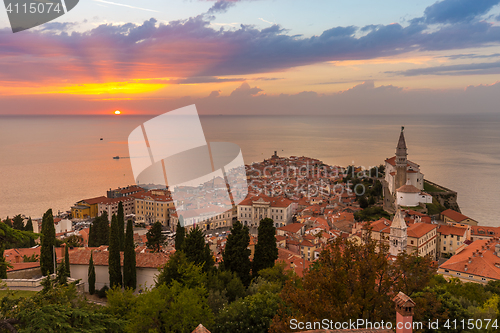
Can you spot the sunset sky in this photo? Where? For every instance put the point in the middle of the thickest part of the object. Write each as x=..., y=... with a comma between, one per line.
x=256, y=57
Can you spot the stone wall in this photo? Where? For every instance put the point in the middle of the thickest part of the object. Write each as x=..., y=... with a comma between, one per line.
x=28, y=273
x=447, y=198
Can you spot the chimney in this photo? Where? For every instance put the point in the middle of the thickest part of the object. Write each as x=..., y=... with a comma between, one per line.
x=404, y=313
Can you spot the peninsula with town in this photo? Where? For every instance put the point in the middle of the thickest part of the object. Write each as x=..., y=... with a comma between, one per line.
x=298, y=215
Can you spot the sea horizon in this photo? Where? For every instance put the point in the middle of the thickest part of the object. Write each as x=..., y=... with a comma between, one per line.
x=77, y=165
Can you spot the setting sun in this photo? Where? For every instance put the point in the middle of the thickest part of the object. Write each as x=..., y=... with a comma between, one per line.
x=118, y=112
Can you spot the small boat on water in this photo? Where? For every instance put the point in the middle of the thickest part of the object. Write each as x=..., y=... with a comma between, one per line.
x=116, y=157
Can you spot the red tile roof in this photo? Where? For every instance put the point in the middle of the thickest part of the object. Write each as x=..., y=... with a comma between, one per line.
x=293, y=227
x=418, y=230
x=81, y=256
x=455, y=216
x=483, y=260
x=451, y=230
x=408, y=189
x=23, y=265
x=93, y=201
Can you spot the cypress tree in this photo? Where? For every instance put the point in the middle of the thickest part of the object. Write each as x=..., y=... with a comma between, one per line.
x=61, y=274
x=94, y=227
x=236, y=256
x=92, y=237
x=129, y=264
x=155, y=237
x=66, y=261
x=266, y=251
x=180, y=235
x=115, y=272
x=91, y=276
x=29, y=227
x=8, y=222
x=47, y=243
x=103, y=230
x=17, y=222
x=99, y=231
x=197, y=251
x=121, y=226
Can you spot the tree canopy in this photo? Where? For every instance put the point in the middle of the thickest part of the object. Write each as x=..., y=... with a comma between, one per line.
x=48, y=243
x=236, y=256
x=114, y=264
x=197, y=250
x=266, y=251
x=155, y=239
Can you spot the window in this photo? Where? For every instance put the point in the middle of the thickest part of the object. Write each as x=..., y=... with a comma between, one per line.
x=444, y=248
x=459, y=274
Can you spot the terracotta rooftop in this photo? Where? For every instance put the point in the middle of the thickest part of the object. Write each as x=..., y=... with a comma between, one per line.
x=478, y=258
x=485, y=231
x=81, y=256
x=418, y=230
x=293, y=227
x=451, y=230
x=455, y=216
x=93, y=201
x=403, y=300
x=408, y=189
x=200, y=329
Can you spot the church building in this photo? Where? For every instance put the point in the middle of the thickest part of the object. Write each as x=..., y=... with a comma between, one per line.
x=404, y=179
x=400, y=171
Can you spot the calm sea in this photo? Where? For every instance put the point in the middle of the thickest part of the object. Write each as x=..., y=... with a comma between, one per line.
x=54, y=161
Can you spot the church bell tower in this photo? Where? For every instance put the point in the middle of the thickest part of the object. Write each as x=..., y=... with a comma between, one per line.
x=398, y=237
x=401, y=161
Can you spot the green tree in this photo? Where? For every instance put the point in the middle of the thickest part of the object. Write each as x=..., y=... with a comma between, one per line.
x=99, y=231
x=17, y=222
x=47, y=243
x=9, y=235
x=253, y=313
x=180, y=235
x=74, y=241
x=236, y=256
x=60, y=308
x=114, y=265
x=91, y=274
x=66, y=261
x=176, y=308
x=32, y=258
x=121, y=225
x=348, y=281
x=412, y=273
x=129, y=263
x=197, y=250
x=62, y=277
x=8, y=222
x=92, y=234
x=266, y=251
x=226, y=283
x=29, y=227
x=4, y=265
x=155, y=239
x=179, y=269
x=363, y=203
